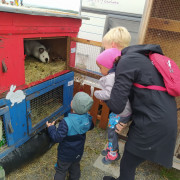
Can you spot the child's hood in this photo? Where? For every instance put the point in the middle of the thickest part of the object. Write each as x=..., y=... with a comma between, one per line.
x=80, y=123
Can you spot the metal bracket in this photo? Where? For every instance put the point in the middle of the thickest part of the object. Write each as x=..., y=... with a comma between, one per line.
x=10, y=128
x=4, y=67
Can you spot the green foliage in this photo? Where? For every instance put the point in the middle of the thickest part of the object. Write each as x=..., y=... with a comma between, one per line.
x=170, y=174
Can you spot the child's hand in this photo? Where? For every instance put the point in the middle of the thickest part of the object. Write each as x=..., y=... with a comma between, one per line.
x=50, y=124
x=101, y=102
x=119, y=127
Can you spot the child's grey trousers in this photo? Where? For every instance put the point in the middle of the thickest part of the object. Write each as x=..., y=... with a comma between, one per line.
x=63, y=168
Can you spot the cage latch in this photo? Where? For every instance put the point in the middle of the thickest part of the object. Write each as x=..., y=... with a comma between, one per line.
x=4, y=67
x=10, y=128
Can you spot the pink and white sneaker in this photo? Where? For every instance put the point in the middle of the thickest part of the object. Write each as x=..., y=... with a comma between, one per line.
x=105, y=152
x=110, y=157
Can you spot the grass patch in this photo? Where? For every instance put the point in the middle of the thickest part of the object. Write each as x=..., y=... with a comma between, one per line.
x=170, y=174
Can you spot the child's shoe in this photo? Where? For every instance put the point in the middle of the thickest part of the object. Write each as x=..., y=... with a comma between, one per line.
x=110, y=157
x=105, y=152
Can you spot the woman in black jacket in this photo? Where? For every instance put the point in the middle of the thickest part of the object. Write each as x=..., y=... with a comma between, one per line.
x=152, y=133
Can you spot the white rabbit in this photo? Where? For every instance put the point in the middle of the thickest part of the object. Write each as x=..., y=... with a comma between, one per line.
x=15, y=97
x=36, y=49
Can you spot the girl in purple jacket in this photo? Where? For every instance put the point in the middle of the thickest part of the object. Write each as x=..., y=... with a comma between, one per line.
x=105, y=62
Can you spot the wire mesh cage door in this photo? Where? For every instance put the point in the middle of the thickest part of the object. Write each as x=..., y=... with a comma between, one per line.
x=3, y=142
x=6, y=129
x=44, y=105
x=161, y=25
x=84, y=55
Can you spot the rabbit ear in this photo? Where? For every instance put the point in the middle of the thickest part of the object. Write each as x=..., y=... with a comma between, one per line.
x=41, y=50
x=12, y=88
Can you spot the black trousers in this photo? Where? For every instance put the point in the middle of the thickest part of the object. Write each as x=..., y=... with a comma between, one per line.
x=128, y=165
x=64, y=167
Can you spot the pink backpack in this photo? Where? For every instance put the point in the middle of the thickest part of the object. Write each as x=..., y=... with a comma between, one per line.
x=170, y=73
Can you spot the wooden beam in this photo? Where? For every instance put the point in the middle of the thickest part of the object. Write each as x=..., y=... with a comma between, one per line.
x=176, y=163
x=68, y=52
x=164, y=24
x=95, y=108
x=145, y=20
x=84, y=72
x=85, y=41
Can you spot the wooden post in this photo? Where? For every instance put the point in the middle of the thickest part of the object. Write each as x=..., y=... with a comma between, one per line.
x=145, y=21
x=94, y=110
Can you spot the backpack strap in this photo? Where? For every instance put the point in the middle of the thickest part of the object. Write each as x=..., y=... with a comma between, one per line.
x=152, y=87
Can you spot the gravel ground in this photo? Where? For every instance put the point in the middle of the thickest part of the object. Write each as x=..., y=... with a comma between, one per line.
x=43, y=167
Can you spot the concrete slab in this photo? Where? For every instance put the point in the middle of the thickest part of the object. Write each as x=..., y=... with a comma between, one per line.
x=113, y=168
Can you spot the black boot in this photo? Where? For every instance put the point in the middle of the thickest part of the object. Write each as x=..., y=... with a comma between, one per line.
x=108, y=178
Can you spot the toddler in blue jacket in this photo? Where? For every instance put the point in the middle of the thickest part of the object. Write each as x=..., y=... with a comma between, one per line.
x=71, y=136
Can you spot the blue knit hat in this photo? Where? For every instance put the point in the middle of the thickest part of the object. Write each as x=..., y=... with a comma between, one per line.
x=81, y=103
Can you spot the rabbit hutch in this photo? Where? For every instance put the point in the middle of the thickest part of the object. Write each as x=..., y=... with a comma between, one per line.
x=161, y=25
x=33, y=92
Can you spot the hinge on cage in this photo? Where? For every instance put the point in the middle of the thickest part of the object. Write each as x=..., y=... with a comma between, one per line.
x=4, y=67
x=10, y=128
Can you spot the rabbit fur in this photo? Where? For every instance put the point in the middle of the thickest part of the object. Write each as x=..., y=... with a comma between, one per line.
x=36, y=49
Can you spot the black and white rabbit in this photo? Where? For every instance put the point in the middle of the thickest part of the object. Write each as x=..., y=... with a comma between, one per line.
x=36, y=49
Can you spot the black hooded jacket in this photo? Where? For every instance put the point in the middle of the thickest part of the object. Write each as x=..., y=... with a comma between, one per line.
x=152, y=133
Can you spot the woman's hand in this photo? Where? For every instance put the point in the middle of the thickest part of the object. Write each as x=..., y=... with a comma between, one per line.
x=119, y=127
